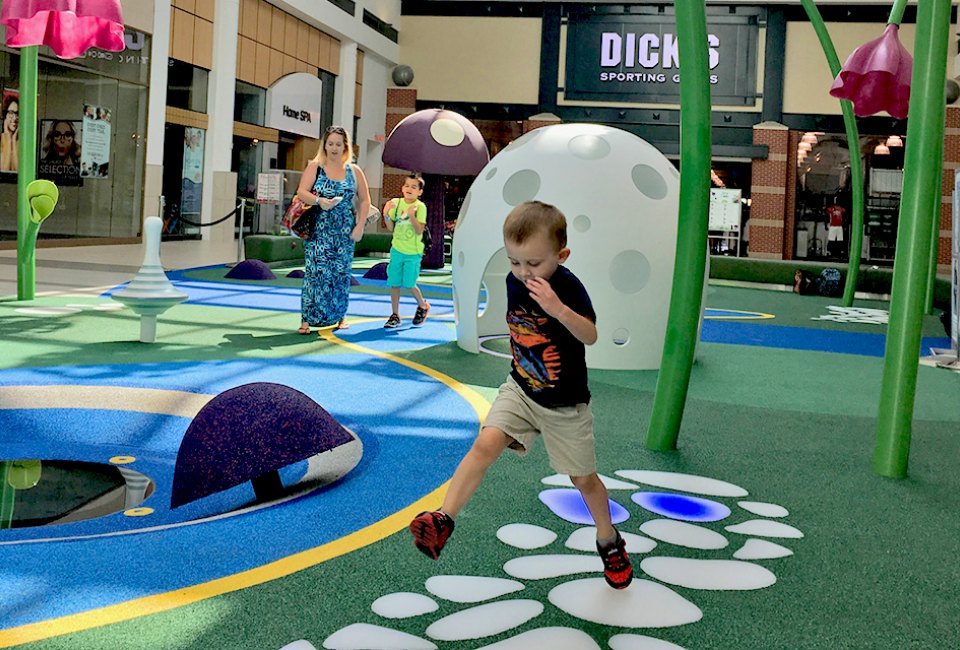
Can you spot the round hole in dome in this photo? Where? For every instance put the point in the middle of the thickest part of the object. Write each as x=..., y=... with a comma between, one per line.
x=621, y=336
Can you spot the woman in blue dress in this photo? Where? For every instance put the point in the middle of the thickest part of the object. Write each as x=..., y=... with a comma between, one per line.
x=330, y=181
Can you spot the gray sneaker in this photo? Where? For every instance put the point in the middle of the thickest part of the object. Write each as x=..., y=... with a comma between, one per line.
x=392, y=322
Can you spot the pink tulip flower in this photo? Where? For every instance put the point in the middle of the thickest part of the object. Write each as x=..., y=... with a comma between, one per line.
x=68, y=27
x=876, y=76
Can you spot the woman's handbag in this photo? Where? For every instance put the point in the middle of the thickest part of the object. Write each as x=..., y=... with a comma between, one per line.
x=298, y=219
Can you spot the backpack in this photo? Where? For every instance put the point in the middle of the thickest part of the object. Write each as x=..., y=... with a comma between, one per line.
x=427, y=239
x=829, y=283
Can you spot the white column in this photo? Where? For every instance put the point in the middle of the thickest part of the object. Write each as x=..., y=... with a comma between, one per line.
x=343, y=95
x=219, y=183
x=157, y=108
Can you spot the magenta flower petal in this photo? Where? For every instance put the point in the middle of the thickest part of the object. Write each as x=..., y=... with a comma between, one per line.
x=68, y=27
x=876, y=76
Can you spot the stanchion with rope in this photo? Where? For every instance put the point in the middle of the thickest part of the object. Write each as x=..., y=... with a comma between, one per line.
x=237, y=211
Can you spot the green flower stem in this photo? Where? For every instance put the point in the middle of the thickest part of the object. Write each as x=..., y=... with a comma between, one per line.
x=856, y=164
x=26, y=173
x=7, y=495
x=920, y=200
x=896, y=12
x=690, y=265
x=935, y=240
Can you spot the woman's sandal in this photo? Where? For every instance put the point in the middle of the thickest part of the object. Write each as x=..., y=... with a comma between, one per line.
x=342, y=325
x=304, y=329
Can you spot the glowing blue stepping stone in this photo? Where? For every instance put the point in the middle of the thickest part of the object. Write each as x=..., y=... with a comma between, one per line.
x=681, y=506
x=569, y=505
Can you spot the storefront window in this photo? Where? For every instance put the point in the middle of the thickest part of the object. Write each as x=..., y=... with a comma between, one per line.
x=91, y=121
x=729, y=207
x=250, y=104
x=187, y=86
x=182, y=181
x=824, y=198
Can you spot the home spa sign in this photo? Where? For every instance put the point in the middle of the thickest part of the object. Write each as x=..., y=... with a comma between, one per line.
x=635, y=58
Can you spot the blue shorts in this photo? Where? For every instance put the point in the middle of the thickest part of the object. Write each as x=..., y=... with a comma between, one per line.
x=403, y=269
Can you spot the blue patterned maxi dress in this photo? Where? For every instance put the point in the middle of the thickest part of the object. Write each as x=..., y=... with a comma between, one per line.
x=329, y=254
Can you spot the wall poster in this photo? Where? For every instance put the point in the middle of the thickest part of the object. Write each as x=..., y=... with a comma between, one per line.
x=59, y=157
x=95, y=160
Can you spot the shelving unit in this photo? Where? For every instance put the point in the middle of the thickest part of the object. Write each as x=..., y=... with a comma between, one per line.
x=881, y=212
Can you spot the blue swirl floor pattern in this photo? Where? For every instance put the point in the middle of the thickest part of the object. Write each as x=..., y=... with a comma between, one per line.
x=108, y=568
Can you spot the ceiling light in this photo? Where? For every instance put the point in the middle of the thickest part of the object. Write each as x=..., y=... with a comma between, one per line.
x=881, y=150
x=894, y=141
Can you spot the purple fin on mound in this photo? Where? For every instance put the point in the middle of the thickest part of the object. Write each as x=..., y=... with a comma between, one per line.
x=353, y=281
x=377, y=272
x=246, y=432
x=251, y=270
x=296, y=273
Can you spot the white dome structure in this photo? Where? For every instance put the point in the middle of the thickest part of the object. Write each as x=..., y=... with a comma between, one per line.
x=620, y=196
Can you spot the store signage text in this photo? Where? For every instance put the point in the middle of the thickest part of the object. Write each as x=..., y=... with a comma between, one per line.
x=293, y=104
x=635, y=58
x=647, y=51
x=303, y=116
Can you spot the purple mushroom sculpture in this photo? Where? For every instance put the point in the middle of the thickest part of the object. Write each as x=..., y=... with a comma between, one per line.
x=249, y=433
x=436, y=142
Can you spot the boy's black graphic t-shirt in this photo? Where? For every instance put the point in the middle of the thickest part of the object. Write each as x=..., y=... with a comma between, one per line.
x=548, y=361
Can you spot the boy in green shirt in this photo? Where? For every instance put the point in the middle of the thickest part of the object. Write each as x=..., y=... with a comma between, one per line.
x=407, y=218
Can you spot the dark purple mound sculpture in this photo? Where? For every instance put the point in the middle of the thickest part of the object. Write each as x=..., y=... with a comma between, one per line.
x=413, y=144
x=251, y=270
x=248, y=433
x=296, y=273
x=377, y=272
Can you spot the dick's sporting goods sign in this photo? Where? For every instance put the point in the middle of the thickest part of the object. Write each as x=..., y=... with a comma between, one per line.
x=635, y=58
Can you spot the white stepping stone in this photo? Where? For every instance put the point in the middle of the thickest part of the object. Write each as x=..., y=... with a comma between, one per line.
x=642, y=604
x=562, y=480
x=764, y=528
x=302, y=644
x=403, y=604
x=46, y=311
x=363, y=636
x=540, y=567
x=470, y=589
x=110, y=307
x=761, y=549
x=686, y=482
x=585, y=539
x=763, y=509
x=554, y=638
x=719, y=575
x=525, y=536
x=640, y=642
x=682, y=533
x=485, y=620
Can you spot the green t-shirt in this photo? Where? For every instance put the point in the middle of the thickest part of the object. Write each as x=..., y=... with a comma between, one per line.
x=405, y=238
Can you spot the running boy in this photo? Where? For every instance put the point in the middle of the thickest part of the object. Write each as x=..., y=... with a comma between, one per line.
x=406, y=217
x=551, y=318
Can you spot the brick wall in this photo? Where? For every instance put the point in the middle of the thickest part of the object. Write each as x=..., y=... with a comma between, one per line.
x=770, y=194
x=951, y=162
x=401, y=102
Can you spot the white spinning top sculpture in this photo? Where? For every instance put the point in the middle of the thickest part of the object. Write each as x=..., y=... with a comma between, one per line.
x=150, y=292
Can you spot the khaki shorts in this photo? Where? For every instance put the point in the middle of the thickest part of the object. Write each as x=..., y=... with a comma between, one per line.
x=567, y=430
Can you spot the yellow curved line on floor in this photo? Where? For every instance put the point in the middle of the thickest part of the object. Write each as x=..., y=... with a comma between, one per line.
x=111, y=398
x=750, y=315
x=479, y=404
x=147, y=605
x=277, y=569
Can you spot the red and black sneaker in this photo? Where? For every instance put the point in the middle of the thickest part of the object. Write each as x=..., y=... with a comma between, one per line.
x=431, y=531
x=617, y=570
